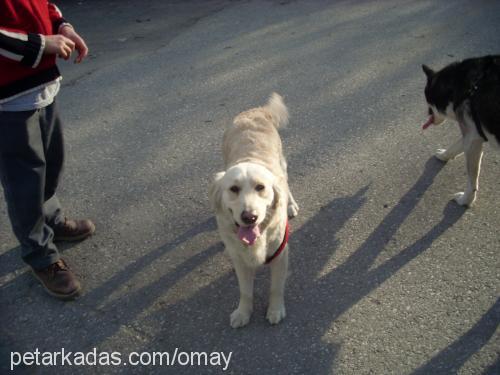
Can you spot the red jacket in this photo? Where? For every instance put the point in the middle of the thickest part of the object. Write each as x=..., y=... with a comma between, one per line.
x=23, y=23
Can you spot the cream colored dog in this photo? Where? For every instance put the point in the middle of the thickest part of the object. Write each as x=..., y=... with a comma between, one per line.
x=252, y=202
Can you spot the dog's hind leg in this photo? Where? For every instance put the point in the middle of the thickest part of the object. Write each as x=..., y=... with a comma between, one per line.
x=473, y=153
x=241, y=316
x=279, y=268
x=451, y=152
x=293, y=207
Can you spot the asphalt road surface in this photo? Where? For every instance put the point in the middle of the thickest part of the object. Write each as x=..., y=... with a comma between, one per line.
x=388, y=276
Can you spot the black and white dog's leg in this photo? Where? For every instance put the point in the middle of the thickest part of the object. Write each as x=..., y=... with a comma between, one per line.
x=451, y=152
x=241, y=316
x=473, y=152
x=279, y=268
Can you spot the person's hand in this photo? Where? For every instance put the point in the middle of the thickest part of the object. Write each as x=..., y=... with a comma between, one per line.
x=59, y=45
x=78, y=43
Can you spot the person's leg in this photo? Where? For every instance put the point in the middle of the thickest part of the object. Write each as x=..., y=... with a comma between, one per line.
x=52, y=135
x=22, y=172
x=23, y=176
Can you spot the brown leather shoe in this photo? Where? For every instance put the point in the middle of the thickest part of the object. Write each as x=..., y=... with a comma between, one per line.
x=73, y=230
x=58, y=280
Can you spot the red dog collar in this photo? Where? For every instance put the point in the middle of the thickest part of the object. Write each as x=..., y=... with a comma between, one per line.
x=282, y=246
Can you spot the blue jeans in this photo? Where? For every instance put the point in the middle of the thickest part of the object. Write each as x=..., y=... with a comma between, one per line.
x=31, y=161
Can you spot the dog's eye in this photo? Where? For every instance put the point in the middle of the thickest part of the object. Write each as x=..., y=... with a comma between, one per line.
x=260, y=187
x=235, y=189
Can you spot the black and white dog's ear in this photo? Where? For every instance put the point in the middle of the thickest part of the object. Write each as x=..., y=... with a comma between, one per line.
x=428, y=71
x=215, y=191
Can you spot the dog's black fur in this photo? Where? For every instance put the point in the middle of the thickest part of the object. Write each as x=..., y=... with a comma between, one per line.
x=472, y=87
x=468, y=92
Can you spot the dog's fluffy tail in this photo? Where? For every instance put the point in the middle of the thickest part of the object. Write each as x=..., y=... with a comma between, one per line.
x=278, y=109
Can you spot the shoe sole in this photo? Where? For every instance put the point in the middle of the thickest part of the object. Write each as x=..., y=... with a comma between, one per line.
x=76, y=238
x=63, y=297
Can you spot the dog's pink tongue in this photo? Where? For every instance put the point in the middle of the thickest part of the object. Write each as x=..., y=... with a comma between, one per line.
x=248, y=234
x=429, y=122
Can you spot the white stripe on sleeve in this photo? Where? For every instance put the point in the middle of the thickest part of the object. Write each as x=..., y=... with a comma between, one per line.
x=10, y=55
x=40, y=51
x=12, y=34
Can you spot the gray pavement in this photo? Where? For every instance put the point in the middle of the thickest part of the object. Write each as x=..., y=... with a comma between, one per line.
x=387, y=275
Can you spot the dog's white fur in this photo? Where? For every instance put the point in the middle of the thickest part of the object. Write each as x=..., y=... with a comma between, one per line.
x=255, y=181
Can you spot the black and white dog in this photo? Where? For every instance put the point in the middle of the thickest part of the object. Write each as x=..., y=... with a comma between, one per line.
x=468, y=92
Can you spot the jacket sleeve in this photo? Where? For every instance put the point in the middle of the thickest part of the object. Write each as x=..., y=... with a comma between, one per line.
x=56, y=17
x=18, y=45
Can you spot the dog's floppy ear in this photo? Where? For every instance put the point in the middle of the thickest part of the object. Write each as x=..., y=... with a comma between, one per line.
x=215, y=191
x=428, y=71
x=278, y=195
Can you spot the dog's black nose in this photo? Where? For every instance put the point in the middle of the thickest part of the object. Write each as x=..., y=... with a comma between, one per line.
x=248, y=218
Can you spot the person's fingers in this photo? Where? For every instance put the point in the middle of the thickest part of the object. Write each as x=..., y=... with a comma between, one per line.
x=63, y=46
x=70, y=43
x=69, y=46
x=82, y=50
x=66, y=51
x=62, y=53
x=83, y=53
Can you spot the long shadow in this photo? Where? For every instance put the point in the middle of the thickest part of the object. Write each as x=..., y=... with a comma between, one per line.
x=124, y=309
x=140, y=264
x=453, y=357
x=363, y=258
x=130, y=270
x=128, y=306
x=98, y=296
x=351, y=281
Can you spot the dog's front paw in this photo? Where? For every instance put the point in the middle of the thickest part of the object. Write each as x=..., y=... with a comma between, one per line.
x=293, y=210
x=464, y=199
x=240, y=318
x=442, y=155
x=276, y=314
